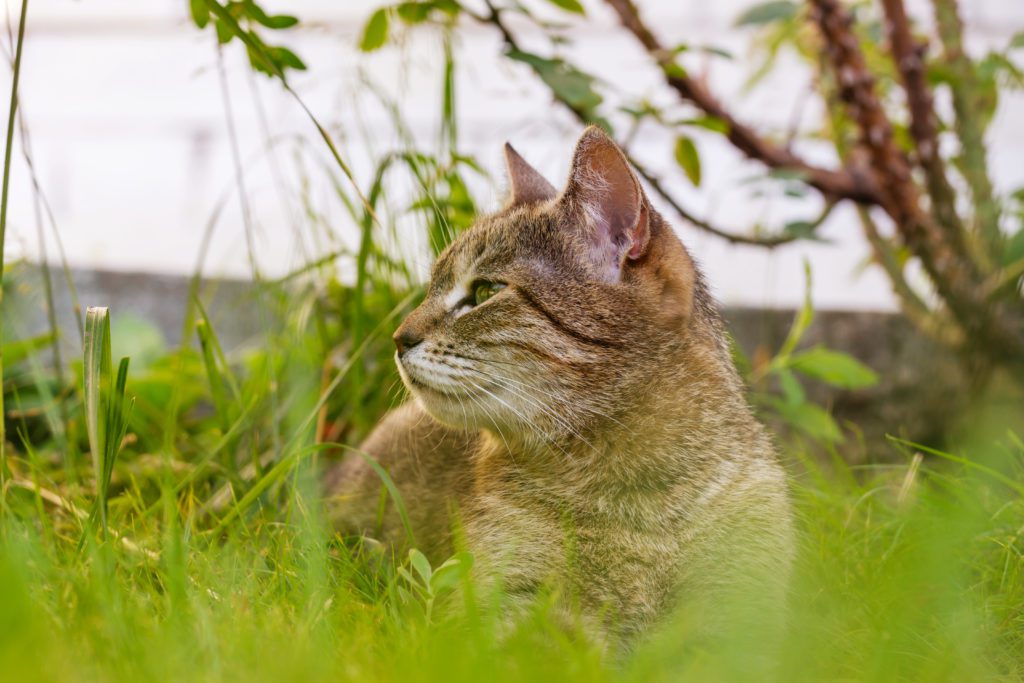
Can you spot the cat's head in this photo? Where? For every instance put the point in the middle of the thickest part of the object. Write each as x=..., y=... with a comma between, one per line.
x=545, y=318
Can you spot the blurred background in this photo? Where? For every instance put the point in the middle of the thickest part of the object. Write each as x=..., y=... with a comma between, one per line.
x=125, y=108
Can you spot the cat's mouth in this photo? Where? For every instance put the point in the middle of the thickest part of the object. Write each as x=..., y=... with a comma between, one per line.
x=424, y=386
x=419, y=381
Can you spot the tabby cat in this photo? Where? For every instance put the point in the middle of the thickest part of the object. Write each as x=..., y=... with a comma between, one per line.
x=576, y=407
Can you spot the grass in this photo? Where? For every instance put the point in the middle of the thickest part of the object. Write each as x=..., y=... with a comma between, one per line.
x=194, y=543
x=906, y=572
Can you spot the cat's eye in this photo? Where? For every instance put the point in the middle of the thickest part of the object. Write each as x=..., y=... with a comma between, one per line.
x=484, y=290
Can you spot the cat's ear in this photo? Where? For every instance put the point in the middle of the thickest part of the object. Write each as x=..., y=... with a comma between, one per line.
x=526, y=185
x=604, y=193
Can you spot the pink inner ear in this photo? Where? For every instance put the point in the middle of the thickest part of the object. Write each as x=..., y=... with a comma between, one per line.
x=610, y=195
x=641, y=235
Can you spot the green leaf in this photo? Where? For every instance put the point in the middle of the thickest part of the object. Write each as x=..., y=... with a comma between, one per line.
x=810, y=419
x=200, y=12
x=414, y=12
x=1013, y=249
x=421, y=565
x=802, y=320
x=224, y=32
x=448, y=574
x=792, y=391
x=565, y=80
x=833, y=367
x=277, y=21
x=768, y=12
x=375, y=34
x=800, y=229
x=16, y=351
x=688, y=158
x=711, y=123
x=1017, y=41
x=569, y=5
x=286, y=58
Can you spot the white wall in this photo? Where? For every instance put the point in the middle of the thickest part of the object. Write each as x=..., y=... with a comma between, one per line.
x=123, y=102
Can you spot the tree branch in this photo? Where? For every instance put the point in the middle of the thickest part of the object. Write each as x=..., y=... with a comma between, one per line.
x=966, y=107
x=848, y=183
x=908, y=55
x=997, y=328
x=494, y=18
x=933, y=323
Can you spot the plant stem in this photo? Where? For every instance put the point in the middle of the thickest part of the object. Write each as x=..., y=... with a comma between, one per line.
x=3, y=228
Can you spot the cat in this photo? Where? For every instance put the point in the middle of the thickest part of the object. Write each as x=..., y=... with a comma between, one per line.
x=576, y=407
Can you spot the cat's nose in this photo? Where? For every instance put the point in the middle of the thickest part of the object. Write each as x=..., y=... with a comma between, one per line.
x=406, y=338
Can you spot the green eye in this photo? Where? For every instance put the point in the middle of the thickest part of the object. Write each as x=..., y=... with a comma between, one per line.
x=483, y=290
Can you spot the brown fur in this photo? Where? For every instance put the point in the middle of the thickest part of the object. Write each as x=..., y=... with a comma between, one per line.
x=592, y=430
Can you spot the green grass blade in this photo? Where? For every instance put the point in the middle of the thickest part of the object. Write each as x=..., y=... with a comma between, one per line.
x=3, y=229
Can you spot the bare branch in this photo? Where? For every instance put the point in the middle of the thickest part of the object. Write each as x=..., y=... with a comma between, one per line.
x=494, y=18
x=933, y=323
x=908, y=54
x=966, y=107
x=991, y=325
x=846, y=183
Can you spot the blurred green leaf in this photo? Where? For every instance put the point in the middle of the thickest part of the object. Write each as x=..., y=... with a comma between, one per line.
x=833, y=367
x=375, y=34
x=200, y=13
x=688, y=158
x=711, y=123
x=421, y=565
x=278, y=21
x=569, y=5
x=414, y=12
x=1017, y=41
x=810, y=419
x=224, y=32
x=767, y=12
x=16, y=351
x=565, y=80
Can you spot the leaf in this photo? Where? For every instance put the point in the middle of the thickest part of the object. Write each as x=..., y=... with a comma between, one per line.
x=449, y=573
x=565, y=80
x=810, y=419
x=569, y=5
x=792, y=391
x=1013, y=249
x=200, y=12
x=768, y=12
x=375, y=34
x=421, y=565
x=715, y=125
x=833, y=367
x=414, y=12
x=802, y=320
x=277, y=21
x=799, y=229
x=16, y=351
x=1017, y=41
x=286, y=58
x=688, y=158
x=224, y=32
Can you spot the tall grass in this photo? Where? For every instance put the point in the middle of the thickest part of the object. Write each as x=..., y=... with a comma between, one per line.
x=216, y=558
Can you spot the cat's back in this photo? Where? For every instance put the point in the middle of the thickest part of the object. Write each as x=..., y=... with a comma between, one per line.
x=429, y=464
